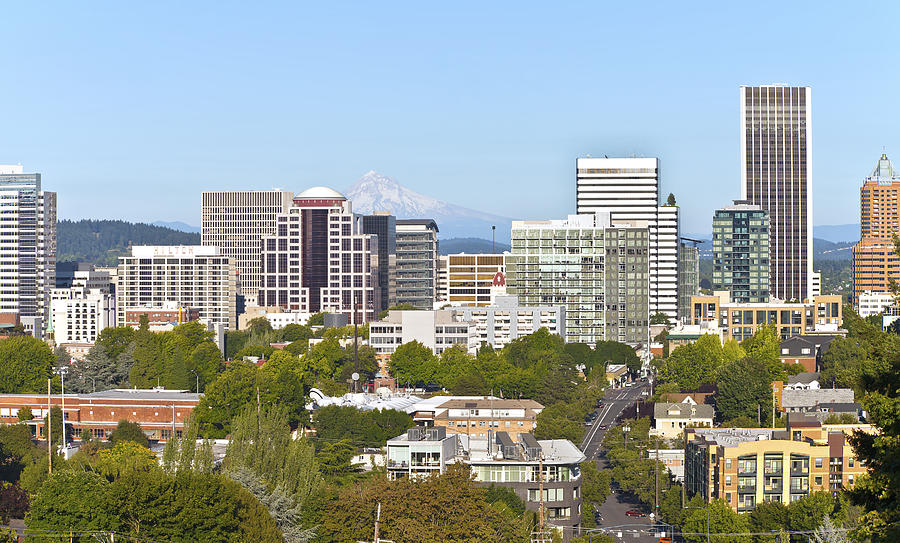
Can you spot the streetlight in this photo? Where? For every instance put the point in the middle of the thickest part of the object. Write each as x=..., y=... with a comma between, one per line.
x=626, y=429
x=198, y=381
x=62, y=379
x=707, y=518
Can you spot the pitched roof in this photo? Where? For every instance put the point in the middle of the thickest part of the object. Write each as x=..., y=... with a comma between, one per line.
x=664, y=410
x=804, y=378
x=812, y=398
x=795, y=345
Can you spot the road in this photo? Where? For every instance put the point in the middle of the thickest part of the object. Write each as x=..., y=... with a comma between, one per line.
x=634, y=529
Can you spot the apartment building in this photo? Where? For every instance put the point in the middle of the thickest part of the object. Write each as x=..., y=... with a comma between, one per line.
x=598, y=271
x=718, y=314
x=473, y=280
x=507, y=320
x=236, y=222
x=27, y=246
x=741, y=252
x=437, y=330
x=747, y=466
x=80, y=316
x=870, y=303
x=157, y=276
x=160, y=318
x=688, y=277
x=417, y=262
x=514, y=460
x=874, y=257
x=318, y=259
x=475, y=417
x=628, y=190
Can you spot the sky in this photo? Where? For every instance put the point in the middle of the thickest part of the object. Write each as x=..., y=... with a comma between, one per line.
x=130, y=110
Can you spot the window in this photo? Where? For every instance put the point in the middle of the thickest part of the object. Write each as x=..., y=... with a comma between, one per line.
x=728, y=463
x=818, y=462
x=819, y=480
x=850, y=462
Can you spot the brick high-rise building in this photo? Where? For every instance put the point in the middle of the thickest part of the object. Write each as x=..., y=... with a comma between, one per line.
x=874, y=257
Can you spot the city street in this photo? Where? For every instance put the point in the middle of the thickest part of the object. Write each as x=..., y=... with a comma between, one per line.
x=613, y=511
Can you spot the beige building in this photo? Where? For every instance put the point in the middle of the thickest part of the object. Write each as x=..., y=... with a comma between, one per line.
x=472, y=279
x=475, y=416
x=747, y=466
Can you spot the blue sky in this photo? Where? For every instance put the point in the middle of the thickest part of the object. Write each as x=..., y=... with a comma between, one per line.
x=130, y=111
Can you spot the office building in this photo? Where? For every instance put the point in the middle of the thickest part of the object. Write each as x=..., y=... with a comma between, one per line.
x=688, y=277
x=741, y=252
x=236, y=222
x=717, y=314
x=437, y=330
x=27, y=245
x=515, y=460
x=160, y=318
x=442, y=278
x=474, y=279
x=776, y=175
x=191, y=276
x=870, y=303
x=417, y=262
x=817, y=284
x=628, y=189
x=874, y=257
x=748, y=466
x=81, y=316
x=384, y=225
x=598, y=271
x=507, y=320
x=318, y=259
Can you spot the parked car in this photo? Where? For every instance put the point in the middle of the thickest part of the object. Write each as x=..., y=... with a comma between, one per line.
x=634, y=513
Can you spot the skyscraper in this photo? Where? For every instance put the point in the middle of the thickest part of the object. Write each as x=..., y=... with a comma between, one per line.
x=236, y=222
x=417, y=262
x=776, y=175
x=628, y=189
x=741, y=252
x=688, y=277
x=874, y=256
x=27, y=244
x=384, y=225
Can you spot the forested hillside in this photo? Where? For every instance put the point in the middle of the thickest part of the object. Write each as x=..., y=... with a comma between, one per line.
x=102, y=242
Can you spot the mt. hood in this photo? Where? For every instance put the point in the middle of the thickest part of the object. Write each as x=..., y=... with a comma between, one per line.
x=376, y=192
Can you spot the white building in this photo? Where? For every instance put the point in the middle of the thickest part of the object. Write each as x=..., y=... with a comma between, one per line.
x=499, y=324
x=628, y=189
x=673, y=459
x=817, y=283
x=27, y=244
x=236, y=222
x=873, y=303
x=670, y=419
x=437, y=330
x=192, y=276
x=82, y=315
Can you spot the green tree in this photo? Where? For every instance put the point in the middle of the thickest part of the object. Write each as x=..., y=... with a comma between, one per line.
x=235, y=340
x=115, y=340
x=56, y=426
x=295, y=332
x=413, y=363
x=670, y=201
x=694, y=364
x=227, y=396
x=721, y=519
x=768, y=517
x=317, y=319
x=99, y=371
x=25, y=414
x=25, y=364
x=660, y=318
x=361, y=428
x=205, y=364
x=195, y=332
x=72, y=501
x=259, y=326
x=744, y=388
x=765, y=346
x=595, y=488
x=129, y=431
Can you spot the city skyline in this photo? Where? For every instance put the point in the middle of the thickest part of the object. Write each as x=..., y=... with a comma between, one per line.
x=473, y=115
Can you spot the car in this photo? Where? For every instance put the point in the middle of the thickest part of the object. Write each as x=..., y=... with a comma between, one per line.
x=634, y=513
x=629, y=384
x=603, y=427
x=600, y=405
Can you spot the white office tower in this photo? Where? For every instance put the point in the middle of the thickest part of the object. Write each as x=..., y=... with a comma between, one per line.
x=628, y=189
x=27, y=244
x=190, y=276
x=236, y=222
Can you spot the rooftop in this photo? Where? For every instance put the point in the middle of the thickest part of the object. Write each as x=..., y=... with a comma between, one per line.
x=320, y=193
x=812, y=398
x=143, y=394
x=804, y=378
x=684, y=410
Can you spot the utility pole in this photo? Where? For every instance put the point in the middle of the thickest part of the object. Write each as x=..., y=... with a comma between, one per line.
x=355, y=346
x=656, y=466
x=493, y=232
x=62, y=379
x=377, y=520
x=49, y=433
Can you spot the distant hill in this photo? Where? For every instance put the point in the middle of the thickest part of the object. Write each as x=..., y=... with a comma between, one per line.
x=178, y=225
x=837, y=233
x=827, y=250
x=469, y=245
x=102, y=242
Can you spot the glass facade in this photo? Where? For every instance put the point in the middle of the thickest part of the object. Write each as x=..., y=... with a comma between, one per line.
x=741, y=253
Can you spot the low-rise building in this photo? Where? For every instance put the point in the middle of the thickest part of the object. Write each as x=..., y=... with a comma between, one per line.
x=277, y=317
x=873, y=303
x=747, y=466
x=670, y=419
x=673, y=459
x=475, y=418
x=803, y=381
x=159, y=318
x=506, y=320
x=437, y=330
x=616, y=374
x=504, y=459
x=806, y=350
x=809, y=400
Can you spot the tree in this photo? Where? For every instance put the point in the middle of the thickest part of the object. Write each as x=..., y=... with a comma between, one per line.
x=234, y=342
x=769, y=517
x=72, y=501
x=126, y=456
x=694, y=364
x=660, y=318
x=295, y=332
x=721, y=519
x=205, y=364
x=56, y=426
x=413, y=363
x=195, y=332
x=670, y=201
x=25, y=414
x=227, y=396
x=765, y=346
x=361, y=428
x=115, y=340
x=259, y=326
x=317, y=319
x=744, y=389
x=129, y=431
x=25, y=364
x=13, y=502
x=99, y=370
x=595, y=488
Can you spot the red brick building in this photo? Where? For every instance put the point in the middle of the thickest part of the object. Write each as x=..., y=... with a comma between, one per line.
x=159, y=412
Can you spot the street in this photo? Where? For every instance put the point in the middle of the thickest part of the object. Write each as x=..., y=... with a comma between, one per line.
x=636, y=529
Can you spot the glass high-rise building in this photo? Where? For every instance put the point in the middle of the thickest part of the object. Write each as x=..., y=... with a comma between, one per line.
x=776, y=175
x=417, y=262
x=384, y=225
x=741, y=252
x=688, y=278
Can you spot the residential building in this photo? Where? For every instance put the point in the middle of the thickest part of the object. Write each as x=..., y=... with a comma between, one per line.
x=817, y=284
x=277, y=317
x=161, y=413
x=741, y=252
x=688, y=277
x=776, y=175
x=874, y=258
x=475, y=417
x=672, y=459
x=806, y=350
x=628, y=189
x=28, y=241
x=473, y=280
x=514, y=460
x=417, y=262
x=318, y=259
x=195, y=276
x=443, y=278
x=236, y=222
x=598, y=271
x=160, y=318
x=384, y=225
x=506, y=321
x=740, y=321
x=747, y=466
x=437, y=330
x=803, y=381
x=870, y=303
x=81, y=317
x=670, y=419
x=808, y=400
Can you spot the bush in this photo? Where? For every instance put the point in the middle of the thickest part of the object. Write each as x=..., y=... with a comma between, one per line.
x=129, y=431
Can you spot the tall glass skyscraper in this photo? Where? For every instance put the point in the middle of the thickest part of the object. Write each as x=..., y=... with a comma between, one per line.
x=775, y=175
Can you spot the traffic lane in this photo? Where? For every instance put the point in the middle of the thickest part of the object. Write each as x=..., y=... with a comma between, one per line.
x=615, y=401
x=613, y=513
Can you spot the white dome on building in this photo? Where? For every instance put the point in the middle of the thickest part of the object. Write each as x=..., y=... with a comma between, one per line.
x=324, y=193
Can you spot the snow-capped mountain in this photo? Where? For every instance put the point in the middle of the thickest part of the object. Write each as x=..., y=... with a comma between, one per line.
x=376, y=192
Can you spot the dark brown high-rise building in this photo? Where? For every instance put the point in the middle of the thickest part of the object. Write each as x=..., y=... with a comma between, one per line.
x=775, y=175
